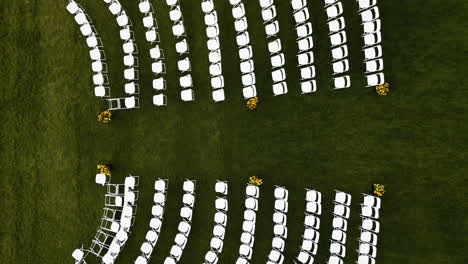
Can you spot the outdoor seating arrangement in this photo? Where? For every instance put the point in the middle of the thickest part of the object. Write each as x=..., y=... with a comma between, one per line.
x=278, y=73
x=371, y=25
x=118, y=217
x=311, y=236
x=131, y=74
x=220, y=219
x=338, y=39
x=185, y=224
x=213, y=45
x=155, y=224
x=341, y=211
x=158, y=66
x=183, y=65
x=252, y=193
x=305, y=56
x=96, y=53
x=370, y=228
x=249, y=89
x=280, y=229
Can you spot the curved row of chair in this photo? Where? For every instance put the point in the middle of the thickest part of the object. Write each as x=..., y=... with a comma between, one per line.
x=371, y=24
x=247, y=239
x=338, y=39
x=183, y=64
x=185, y=224
x=118, y=217
x=370, y=228
x=220, y=220
x=213, y=45
x=305, y=60
x=94, y=42
x=249, y=89
x=280, y=229
x=278, y=73
x=158, y=67
x=155, y=224
x=338, y=238
x=311, y=236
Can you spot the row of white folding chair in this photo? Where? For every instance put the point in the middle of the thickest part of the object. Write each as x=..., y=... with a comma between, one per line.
x=311, y=236
x=367, y=251
x=341, y=212
x=217, y=241
x=252, y=194
x=184, y=227
x=249, y=89
x=280, y=229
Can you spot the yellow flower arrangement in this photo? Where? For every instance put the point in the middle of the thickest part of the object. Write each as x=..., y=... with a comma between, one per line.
x=379, y=189
x=105, y=116
x=104, y=169
x=383, y=89
x=255, y=180
x=252, y=103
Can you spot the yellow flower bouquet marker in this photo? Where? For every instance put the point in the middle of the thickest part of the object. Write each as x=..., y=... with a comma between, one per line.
x=383, y=89
x=105, y=117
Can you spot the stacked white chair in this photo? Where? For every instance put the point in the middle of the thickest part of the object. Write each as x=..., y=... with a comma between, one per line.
x=252, y=193
x=185, y=225
x=249, y=89
x=370, y=227
x=213, y=45
x=183, y=64
x=219, y=229
x=160, y=195
x=278, y=73
x=96, y=53
x=158, y=66
x=341, y=211
x=371, y=24
x=131, y=74
x=311, y=236
x=118, y=217
x=280, y=228
x=338, y=40
x=305, y=56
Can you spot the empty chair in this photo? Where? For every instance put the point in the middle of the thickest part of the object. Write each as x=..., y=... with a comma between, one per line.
x=218, y=95
x=207, y=6
x=132, y=88
x=305, y=258
x=186, y=81
x=298, y=4
x=375, y=79
x=274, y=46
x=301, y=16
x=370, y=225
x=217, y=82
x=313, y=196
x=238, y=11
x=98, y=66
x=241, y=25
x=149, y=21
x=272, y=28
x=265, y=3
x=180, y=240
x=130, y=60
x=247, y=239
x=311, y=234
x=304, y=30
x=186, y=213
x=308, y=86
x=369, y=211
x=338, y=38
x=181, y=46
x=248, y=79
x=86, y=29
x=245, y=251
x=184, y=228
x=368, y=237
x=334, y=260
x=245, y=53
x=367, y=249
x=219, y=231
x=307, y=72
x=279, y=218
x=312, y=221
x=340, y=66
x=280, y=88
x=370, y=14
x=81, y=18
x=212, y=31
x=371, y=26
x=151, y=35
x=342, y=82
x=97, y=54
x=155, y=224
x=215, y=69
x=172, y=3
x=305, y=44
x=339, y=222
x=73, y=7
x=178, y=29
x=146, y=248
x=184, y=65
x=339, y=236
x=372, y=39
x=374, y=65
x=187, y=95
x=100, y=79
x=250, y=215
x=144, y=7
x=214, y=56
x=159, y=84
x=125, y=33
x=156, y=53
x=372, y=201
x=211, y=19
x=269, y=13
x=249, y=92
x=247, y=66
x=372, y=52
x=281, y=206
x=278, y=243
x=216, y=244
x=221, y=187
x=275, y=256
x=251, y=203
x=211, y=257
x=175, y=14
x=281, y=193
x=305, y=58
x=158, y=67
x=188, y=199
x=102, y=91
x=93, y=41
x=234, y=2
x=176, y=252
x=129, y=47
x=340, y=52
x=337, y=249
x=278, y=75
x=243, y=39
x=115, y=8
x=341, y=210
x=213, y=44
x=252, y=191
x=122, y=19
x=277, y=60
x=159, y=100
x=343, y=198
x=365, y=4
x=334, y=10
x=364, y=259
x=336, y=25
x=314, y=208
x=310, y=246
x=280, y=230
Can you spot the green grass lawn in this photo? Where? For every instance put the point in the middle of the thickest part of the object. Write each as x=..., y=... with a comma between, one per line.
x=413, y=141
